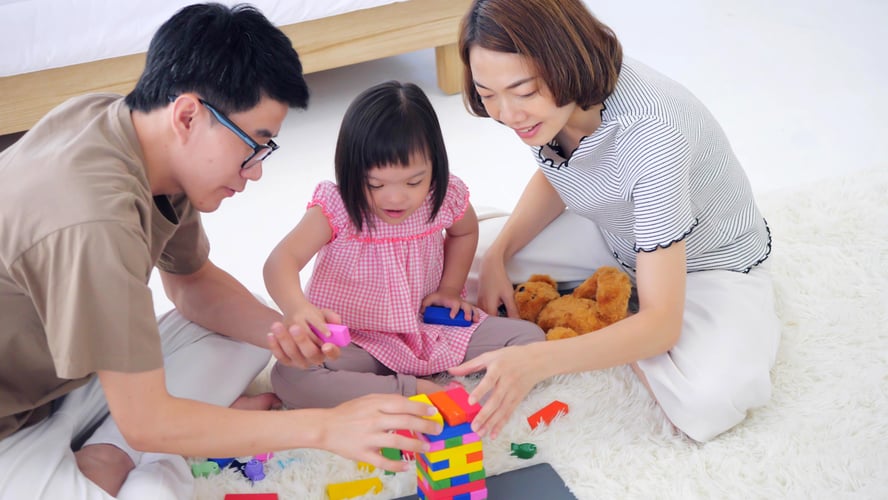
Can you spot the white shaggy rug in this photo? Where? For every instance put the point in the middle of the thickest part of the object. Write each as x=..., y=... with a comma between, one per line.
x=823, y=435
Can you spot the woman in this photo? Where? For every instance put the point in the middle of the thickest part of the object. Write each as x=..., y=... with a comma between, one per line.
x=633, y=156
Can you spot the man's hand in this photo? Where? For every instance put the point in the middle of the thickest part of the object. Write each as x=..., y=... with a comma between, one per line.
x=359, y=428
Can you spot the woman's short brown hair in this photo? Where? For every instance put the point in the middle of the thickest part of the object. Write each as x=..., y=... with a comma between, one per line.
x=576, y=55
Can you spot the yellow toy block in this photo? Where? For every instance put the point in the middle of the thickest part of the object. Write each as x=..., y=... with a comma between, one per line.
x=351, y=489
x=364, y=466
x=423, y=398
x=456, y=455
x=457, y=470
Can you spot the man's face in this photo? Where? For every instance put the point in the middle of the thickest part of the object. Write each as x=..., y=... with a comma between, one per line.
x=214, y=171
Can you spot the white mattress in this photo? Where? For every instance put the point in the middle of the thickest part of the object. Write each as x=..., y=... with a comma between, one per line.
x=41, y=34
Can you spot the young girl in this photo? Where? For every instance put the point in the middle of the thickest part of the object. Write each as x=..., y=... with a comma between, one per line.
x=634, y=166
x=394, y=235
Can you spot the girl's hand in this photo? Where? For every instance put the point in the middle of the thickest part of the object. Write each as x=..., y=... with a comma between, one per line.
x=511, y=374
x=358, y=428
x=495, y=288
x=294, y=344
x=452, y=301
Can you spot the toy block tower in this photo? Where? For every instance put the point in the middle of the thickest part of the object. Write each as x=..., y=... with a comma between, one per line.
x=453, y=468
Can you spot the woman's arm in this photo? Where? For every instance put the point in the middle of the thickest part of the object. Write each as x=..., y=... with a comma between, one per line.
x=513, y=371
x=539, y=205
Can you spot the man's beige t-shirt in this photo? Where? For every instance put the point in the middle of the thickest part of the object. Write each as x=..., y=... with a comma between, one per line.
x=79, y=235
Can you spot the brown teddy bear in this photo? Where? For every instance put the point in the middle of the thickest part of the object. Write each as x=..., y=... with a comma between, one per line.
x=599, y=301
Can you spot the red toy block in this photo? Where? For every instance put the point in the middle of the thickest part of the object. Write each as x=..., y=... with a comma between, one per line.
x=407, y=455
x=547, y=414
x=461, y=398
x=251, y=496
x=452, y=412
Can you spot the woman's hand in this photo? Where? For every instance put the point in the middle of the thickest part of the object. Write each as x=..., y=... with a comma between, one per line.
x=359, y=428
x=294, y=344
x=495, y=288
x=511, y=374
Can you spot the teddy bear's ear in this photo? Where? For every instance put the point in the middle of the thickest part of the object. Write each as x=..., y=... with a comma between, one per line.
x=543, y=278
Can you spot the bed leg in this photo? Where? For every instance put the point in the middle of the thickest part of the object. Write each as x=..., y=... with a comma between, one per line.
x=449, y=68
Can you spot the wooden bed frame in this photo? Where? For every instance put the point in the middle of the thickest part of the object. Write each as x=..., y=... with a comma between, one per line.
x=324, y=43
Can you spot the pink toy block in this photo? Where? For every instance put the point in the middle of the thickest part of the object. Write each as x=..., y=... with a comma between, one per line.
x=338, y=334
x=461, y=398
x=479, y=494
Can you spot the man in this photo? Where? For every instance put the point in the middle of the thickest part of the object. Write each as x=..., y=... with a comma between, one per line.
x=91, y=199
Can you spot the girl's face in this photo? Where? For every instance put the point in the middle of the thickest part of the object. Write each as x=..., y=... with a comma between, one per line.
x=513, y=95
x=394, y=192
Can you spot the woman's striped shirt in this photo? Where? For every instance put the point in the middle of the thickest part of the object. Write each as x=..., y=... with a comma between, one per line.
x=658, y=170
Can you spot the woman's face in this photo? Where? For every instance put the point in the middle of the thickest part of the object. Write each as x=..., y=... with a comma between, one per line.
x=513, y=95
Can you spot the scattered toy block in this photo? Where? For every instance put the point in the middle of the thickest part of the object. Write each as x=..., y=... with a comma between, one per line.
x=547, y=414
x=524, y=450
x=254, y=470
x=223, y=462
x=351, y=489
x=205, y=469
x=251, y=496
x=365, y=467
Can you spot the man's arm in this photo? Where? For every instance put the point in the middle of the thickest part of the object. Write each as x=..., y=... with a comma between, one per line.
x=150, y=419
x=215, y=300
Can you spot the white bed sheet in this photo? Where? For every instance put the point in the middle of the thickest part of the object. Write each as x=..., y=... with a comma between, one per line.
x=42, y=34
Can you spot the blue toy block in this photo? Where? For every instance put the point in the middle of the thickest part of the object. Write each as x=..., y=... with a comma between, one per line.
x=438, y=315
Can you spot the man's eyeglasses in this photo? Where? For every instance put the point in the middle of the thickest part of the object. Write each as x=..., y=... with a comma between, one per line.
x=260, y=151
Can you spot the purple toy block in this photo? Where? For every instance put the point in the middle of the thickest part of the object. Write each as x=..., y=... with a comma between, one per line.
x=254, y=470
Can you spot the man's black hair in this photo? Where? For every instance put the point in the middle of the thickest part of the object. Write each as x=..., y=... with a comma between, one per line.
x=231, y=57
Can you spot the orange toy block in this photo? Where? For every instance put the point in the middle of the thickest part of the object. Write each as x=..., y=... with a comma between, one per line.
x=547, y=414
x=452, y=412
x=475, y=457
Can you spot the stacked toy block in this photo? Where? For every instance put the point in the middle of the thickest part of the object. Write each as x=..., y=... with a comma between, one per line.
x=453, y=468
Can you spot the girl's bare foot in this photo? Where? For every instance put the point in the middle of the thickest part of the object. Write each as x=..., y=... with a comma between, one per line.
x=262, y=402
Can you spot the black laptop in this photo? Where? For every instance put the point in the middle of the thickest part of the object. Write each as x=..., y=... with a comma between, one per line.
x=537, y=482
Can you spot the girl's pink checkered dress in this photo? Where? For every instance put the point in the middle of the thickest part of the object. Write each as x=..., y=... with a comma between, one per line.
x=376, y=281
